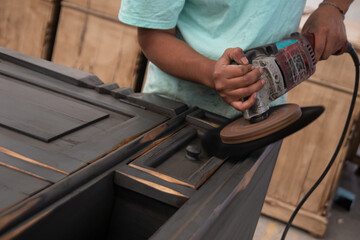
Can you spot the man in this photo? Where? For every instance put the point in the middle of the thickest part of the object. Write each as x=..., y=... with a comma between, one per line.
x=191, y=43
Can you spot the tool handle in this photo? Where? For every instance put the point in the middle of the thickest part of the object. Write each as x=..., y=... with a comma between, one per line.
x=311, y=39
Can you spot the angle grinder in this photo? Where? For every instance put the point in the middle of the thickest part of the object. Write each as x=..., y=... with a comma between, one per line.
x=285, y=65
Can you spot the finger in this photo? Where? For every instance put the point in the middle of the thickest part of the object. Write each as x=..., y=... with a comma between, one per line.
x=330, y=47
x=320, y=42
x=238, y=56
x=247, y=91
x=245, y=80
x=341, y=43
x=242, y=106
x=233, y=54
x=234, y=71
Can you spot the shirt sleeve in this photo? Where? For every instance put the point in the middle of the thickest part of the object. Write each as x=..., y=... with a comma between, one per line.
x=156, y=14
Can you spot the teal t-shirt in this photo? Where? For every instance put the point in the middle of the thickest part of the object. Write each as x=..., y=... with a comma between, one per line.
x=210, y=27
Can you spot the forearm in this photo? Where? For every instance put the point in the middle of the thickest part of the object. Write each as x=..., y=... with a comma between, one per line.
x=175, y=57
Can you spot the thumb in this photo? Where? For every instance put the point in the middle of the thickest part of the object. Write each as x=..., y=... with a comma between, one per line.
x=238, y=56
x=233, y=55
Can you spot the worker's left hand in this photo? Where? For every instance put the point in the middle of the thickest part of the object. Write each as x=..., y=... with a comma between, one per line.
x=327, y=25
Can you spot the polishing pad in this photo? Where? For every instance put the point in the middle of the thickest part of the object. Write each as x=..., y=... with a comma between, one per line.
x=242, y=130
x=213, y=144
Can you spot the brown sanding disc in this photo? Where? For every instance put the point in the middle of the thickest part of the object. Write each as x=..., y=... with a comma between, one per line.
x=241, y=130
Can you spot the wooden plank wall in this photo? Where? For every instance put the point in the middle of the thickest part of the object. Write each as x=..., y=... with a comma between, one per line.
x=28, y=26
x=90, y=38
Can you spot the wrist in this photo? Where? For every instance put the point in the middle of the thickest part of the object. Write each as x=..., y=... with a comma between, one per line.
x=206, y=72
x=341, y=5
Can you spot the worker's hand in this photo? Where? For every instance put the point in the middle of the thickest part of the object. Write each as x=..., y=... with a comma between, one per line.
x=327, y=25
x=234, y=82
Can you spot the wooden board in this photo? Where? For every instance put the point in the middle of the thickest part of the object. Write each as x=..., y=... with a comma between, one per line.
x=305, y=154
x=29, y=166
x=109, y=8
x=42, y=115
x=28, y=26
x=100, y=46
x=228, y=204
x=169, y=160
x=16, y=186
x=354, y=142
x=42, y=101
x=152, y=186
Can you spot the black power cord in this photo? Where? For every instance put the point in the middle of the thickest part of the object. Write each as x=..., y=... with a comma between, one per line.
x=355, y=58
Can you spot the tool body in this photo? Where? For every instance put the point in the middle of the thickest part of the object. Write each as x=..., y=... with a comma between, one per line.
x=286, y=64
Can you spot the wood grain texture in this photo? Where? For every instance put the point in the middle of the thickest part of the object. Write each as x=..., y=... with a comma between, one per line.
x=33, y=167
x=16, y=186
x=68, y=148
x=109, y=8
x=157, y=103
x=312, y=222
x=354, y=142
x=228, y=205
x=152, y=186
x=305, y=155
x=28, y=25
x=169, y=162
x=40, y=114
x=15, y=60
x=105, y=48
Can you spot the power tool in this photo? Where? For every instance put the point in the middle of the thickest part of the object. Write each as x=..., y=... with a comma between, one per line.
x=285, y=64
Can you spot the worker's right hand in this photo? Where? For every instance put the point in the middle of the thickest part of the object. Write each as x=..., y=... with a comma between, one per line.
x=235, y=82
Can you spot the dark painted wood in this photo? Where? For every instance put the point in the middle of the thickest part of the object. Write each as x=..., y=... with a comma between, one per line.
x=136, y=216
x=228, y=205
x=205, y=119
x=83, y=214
x=21, y=212
x=39, y=151
x=152, y=186
x=16, y=185
x=66, y=74
x=144, y=152
x=13, y=71
x=170, y=159
x=122, y=92
x=40, y=114
x=157, y=104
x=32, y=168
x=106, y=88
x=80, y=147
x=77, y=127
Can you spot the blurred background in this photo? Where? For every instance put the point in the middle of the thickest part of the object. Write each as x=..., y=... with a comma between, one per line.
x=86, y=35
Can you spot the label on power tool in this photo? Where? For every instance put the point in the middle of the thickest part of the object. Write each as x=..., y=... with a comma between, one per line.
x=295, y=62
